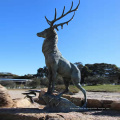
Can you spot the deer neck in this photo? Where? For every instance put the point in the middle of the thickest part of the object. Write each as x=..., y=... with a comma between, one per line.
x=50, y=45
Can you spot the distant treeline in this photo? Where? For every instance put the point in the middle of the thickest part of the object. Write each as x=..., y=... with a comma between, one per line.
x=14, y=76
x=91, y=74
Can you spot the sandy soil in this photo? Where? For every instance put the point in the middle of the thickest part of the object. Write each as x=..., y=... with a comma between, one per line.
x=90, y=95
x=89, y=115
x=16, y=93
x=100, y=95
x=35, y=114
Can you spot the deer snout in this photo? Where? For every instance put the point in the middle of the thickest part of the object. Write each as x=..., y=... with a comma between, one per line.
x=38, y=34
x=41, y=34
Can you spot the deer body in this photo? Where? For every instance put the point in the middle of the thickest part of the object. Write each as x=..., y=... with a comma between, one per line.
x=55, y=62
x=54, y=56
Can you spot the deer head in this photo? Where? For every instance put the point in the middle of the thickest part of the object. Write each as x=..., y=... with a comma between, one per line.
x=50, y=30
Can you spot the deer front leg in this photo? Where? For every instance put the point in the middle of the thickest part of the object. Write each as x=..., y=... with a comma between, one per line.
x=53, y=81
x=50, y=80
x=54, y=75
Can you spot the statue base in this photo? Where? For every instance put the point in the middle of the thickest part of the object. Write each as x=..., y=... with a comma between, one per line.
x=60, y=104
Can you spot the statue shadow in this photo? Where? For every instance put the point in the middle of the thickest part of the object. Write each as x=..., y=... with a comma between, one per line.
x=21, y=110
x=27, y=110
x=112, y=113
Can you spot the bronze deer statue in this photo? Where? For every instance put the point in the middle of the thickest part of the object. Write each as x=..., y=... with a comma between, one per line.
x=55, y=62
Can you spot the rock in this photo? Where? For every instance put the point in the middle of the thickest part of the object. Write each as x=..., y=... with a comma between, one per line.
x=77, y=101
x=56, y=104
x=40, y=99
x=67, y=96
x=107, y=103
x=115, y=105
x=41, y=93
x=38, y=114
x=5, y=99
x=93, y=103
x=27, y=115
x=21, y=103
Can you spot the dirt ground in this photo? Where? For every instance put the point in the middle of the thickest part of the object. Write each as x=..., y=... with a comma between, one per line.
x=39, y=114
x=101, y=95
x=36, y=112
x=90, y=95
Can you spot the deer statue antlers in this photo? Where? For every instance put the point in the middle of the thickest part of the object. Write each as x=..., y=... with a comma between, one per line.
x=63, y=15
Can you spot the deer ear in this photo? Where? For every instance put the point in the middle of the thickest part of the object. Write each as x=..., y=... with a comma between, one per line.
x=56, y=28
x=52, y=28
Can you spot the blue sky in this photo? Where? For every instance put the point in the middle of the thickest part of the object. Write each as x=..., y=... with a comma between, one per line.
x=93, y=36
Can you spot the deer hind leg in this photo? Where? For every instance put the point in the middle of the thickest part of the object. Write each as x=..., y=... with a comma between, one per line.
x=76, y=81
x=66, y=82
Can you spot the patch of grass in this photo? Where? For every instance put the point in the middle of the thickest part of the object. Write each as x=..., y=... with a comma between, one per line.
x=103, y=88
x=96, y=88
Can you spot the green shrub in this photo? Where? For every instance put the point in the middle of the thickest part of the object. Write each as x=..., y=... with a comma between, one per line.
x=94, y=80
x=34, y=83
x=44, y=81
x=9, y=84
